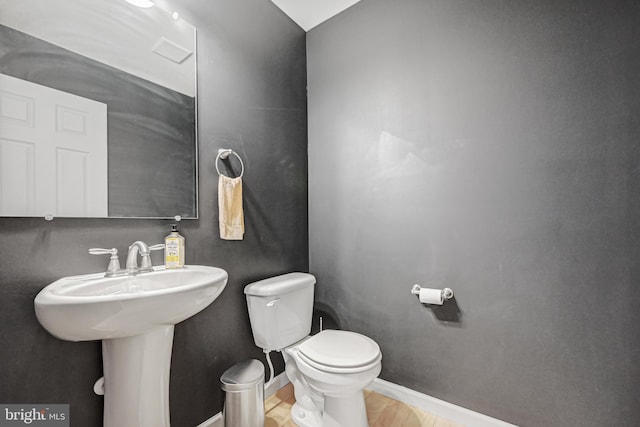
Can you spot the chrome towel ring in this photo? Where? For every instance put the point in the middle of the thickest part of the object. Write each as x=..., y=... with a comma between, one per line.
x=223, y=153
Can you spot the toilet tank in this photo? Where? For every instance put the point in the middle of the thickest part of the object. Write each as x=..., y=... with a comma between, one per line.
x=280, y=309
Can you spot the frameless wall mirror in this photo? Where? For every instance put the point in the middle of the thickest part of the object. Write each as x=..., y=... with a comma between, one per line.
x=97, y=110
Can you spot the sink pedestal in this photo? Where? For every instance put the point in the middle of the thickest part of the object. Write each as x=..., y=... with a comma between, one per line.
x=136, y=379
x=134, y=318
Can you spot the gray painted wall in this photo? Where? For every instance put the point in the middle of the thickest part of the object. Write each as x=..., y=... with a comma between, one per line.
x=252, y=98
x=491, y=147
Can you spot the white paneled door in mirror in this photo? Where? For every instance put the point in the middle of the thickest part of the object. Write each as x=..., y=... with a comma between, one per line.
x=53, y=152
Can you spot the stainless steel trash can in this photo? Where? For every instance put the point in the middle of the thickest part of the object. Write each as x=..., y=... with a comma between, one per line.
x=243, y=385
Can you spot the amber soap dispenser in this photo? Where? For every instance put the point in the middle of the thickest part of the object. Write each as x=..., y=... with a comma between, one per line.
x=174, y=249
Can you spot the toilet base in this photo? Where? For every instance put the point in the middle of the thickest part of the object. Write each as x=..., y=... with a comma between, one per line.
x=305, y=418
x=341, y=411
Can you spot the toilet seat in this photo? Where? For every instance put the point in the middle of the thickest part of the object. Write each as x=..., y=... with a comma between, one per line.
x=340, y=352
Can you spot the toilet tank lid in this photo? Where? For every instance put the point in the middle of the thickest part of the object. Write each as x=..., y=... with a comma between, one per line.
x=280, y=284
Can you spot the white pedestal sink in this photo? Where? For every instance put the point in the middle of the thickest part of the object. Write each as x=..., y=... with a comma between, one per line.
x=134, y=316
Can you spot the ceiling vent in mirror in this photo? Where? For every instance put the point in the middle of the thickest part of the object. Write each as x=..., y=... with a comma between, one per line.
x=171, y=50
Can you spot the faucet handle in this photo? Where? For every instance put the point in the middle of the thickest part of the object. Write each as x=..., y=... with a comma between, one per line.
x=145, y=262
x=113, y=269
x=100, y=251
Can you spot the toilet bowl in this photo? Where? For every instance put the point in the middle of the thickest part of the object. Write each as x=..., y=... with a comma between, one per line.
x=336, y=365
x=328, y=370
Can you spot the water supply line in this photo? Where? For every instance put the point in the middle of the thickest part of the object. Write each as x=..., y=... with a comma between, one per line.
x=271, y=375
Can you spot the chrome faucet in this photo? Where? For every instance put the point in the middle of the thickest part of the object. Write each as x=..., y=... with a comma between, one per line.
x=132, y=258
x=144, y=251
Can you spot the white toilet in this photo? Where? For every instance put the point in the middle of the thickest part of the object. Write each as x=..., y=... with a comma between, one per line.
x=328, y=370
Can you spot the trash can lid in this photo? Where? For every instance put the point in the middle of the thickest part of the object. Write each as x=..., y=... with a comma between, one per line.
x=243, y=375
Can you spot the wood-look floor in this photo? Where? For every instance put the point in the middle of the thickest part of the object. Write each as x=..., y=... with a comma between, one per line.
x=381, y=412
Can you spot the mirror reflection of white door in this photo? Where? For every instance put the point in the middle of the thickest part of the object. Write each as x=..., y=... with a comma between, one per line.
x=53, y=152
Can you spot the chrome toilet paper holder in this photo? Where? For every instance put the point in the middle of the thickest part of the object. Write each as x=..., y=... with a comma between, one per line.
x=446, y=293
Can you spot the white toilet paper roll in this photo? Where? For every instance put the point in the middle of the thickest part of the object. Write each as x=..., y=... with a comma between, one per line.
x=431, y=296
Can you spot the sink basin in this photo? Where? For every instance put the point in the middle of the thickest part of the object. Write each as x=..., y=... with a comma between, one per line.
x=93, y=307
x=134, y=316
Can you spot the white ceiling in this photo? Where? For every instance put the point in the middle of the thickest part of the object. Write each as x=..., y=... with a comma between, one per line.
x=309, y=13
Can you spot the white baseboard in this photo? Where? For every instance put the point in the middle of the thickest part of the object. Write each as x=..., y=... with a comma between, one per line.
x=438, y=407
x=435, y=406
x=276, y=384
x=215, y=421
